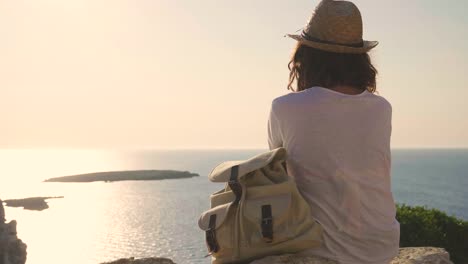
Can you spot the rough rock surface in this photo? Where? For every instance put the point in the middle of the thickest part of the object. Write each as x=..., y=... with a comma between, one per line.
x=12, y=249
x=293, y=259
x=142, y=261
x=422, y=255
x=411, y=255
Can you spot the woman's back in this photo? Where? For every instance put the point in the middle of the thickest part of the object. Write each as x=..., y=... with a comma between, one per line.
x=339, y=153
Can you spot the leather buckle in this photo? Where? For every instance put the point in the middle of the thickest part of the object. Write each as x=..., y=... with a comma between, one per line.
x=267, y=223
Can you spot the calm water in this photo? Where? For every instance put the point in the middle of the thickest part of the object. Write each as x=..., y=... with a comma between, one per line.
x=98, y=222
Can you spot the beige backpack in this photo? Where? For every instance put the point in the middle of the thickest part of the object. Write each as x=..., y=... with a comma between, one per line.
x=260, y=212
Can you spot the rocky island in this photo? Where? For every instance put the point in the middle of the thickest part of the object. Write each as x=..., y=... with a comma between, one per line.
x=135, y=175
x=32, y=203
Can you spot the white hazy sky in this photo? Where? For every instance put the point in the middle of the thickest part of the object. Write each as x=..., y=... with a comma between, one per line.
x=202, y=73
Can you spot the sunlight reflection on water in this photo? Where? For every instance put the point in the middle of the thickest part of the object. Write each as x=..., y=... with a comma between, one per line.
x=98, y=221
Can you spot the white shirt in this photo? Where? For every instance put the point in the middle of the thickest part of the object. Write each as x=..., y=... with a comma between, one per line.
x=339, y=154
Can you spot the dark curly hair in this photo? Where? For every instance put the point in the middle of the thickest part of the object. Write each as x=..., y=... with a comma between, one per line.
x=312, y=67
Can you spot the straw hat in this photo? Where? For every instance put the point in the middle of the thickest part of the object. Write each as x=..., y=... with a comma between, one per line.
x=335, y=26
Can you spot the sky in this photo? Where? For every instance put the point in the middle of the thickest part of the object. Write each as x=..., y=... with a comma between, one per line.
x=202, y=74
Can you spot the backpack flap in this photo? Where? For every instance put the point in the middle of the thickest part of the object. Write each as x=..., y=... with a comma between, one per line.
x=217, y=232
x=222, y=172
x=220, y=212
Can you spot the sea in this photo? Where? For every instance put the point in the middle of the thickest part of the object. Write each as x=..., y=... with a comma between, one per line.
x=99, y=221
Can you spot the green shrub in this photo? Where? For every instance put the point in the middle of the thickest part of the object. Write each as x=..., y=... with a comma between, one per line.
x=423, y=227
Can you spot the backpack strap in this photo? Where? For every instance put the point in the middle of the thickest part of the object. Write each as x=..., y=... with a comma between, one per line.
x=267, y=223
x=210, y=236
x=234, y=183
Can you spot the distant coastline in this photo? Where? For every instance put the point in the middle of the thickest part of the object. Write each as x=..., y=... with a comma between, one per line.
x=32, y=203
x=133, y=175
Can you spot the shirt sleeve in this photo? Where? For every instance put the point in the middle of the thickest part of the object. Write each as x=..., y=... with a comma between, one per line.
x=275, y=139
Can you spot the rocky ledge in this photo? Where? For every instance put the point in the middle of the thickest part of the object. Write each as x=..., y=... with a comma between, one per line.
x=410, y=255
x=142, y=261
x=12, y=249
x=416, y=255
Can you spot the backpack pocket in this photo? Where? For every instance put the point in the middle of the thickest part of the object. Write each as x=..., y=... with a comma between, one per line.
x=218, y=224
x=267, y=220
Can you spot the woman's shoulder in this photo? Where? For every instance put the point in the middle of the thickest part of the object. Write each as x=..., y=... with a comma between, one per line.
x=293, y=98
x=382, y=102
x=317, y=97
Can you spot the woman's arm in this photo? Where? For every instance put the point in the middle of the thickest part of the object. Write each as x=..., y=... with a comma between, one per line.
x=275, y=139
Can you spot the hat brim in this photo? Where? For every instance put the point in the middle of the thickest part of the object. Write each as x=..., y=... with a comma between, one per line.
x=367, y=45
